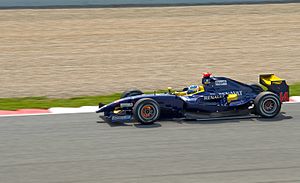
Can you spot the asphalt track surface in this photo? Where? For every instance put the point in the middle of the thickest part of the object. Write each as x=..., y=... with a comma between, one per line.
x=77, y=148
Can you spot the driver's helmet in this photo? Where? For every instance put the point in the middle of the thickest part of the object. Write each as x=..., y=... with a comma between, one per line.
x=192, y=89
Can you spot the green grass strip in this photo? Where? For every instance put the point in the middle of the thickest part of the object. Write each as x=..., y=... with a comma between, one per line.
x=295, y=89
x=45, y=103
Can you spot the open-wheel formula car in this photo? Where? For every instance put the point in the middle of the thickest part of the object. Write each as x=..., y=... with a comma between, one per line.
x=216, y=98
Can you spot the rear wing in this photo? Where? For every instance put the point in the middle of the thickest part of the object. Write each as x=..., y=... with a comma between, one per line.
x=275, y=85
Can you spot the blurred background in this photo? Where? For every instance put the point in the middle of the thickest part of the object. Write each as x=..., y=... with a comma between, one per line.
x=83, y=51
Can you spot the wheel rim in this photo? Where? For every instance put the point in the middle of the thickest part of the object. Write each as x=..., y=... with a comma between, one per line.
x=269, y=106
x=148, y=112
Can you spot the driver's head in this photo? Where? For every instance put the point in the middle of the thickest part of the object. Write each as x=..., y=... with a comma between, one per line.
x=192, y=89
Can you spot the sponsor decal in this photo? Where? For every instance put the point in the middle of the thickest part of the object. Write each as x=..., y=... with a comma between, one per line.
x=239, y=92
x=222, y=94
x=126, y=117
x=206, y=81
x=212, y=97
x=284, y=96
x=123, y=105
x=221, y=83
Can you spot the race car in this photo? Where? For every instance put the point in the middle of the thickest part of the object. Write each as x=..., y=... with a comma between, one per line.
x=216, y=98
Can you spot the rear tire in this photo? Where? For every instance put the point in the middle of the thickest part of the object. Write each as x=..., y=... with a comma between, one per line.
x=146, y=111
x=267, y=104
x=130, y=93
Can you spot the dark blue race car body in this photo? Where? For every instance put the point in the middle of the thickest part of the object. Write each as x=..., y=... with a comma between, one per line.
x=213, y=100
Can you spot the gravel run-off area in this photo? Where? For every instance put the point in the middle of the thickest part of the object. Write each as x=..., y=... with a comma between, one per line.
x=73, y=52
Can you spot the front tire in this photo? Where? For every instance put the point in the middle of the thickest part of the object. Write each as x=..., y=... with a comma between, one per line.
x=130, y=93
x=146, y=111
x=267, y=104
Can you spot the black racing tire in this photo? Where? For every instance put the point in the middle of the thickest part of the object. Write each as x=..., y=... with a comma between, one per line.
x=146, y=111
x=267, y=104
x=130, y=93
x=257, y=88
